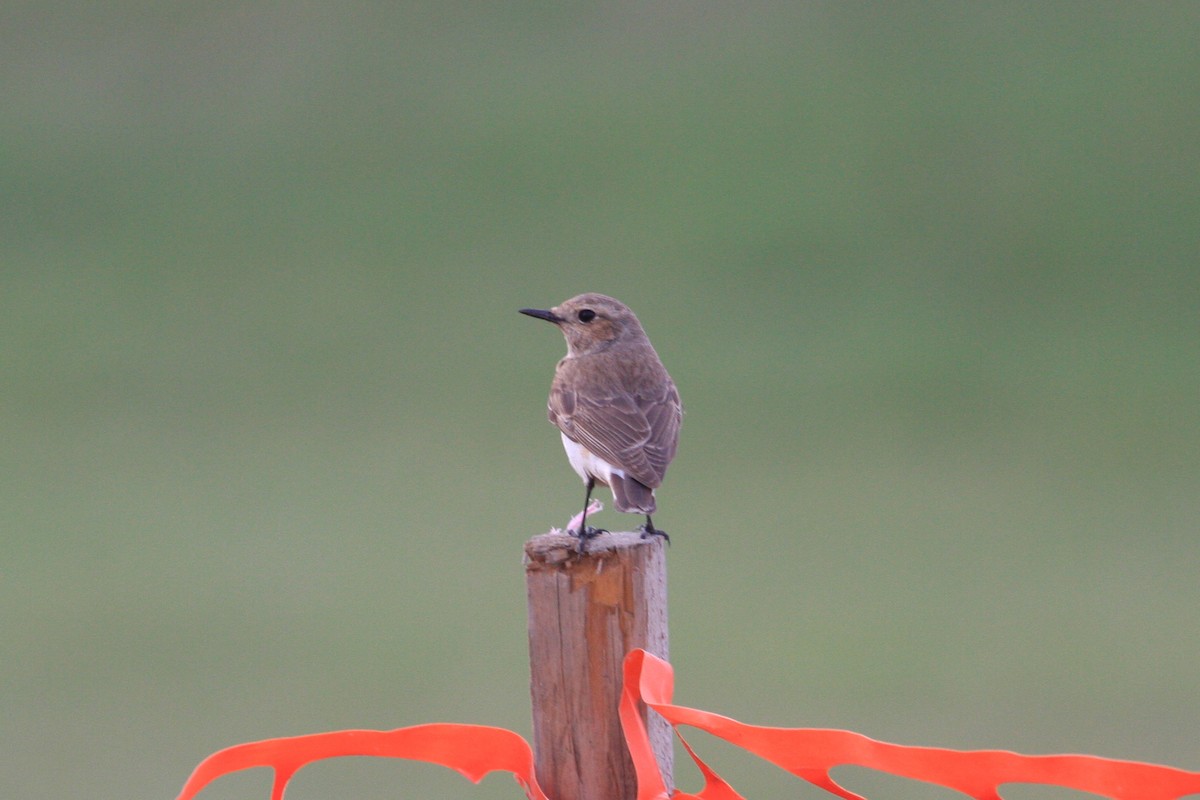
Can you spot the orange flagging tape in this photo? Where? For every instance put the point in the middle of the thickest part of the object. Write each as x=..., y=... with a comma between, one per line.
x=808, y=753
x=471, y=750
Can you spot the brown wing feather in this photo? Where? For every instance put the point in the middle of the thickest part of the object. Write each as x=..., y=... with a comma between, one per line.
x=665, y=415
x=636, y=433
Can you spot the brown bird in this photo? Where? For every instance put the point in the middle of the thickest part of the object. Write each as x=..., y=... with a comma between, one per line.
x=617, y=408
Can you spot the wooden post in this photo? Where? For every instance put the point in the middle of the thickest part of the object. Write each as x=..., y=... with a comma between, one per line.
x=585, y=613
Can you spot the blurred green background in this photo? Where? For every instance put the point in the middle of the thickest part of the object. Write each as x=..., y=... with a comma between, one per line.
x=925, y=274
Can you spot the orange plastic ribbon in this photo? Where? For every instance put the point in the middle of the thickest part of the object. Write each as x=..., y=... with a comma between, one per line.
x=471, y=750
x=808, y=753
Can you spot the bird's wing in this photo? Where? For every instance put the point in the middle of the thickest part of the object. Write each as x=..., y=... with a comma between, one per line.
x=636, y=433
x=664, y=412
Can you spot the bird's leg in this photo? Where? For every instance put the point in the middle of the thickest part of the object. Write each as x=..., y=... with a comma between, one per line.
x=584, y=532
x=577, y=520
x=649, y=530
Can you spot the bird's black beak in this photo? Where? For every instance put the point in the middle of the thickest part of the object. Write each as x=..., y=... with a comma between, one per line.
x=549, y=316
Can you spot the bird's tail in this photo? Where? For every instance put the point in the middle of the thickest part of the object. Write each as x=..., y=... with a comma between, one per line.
x=632, y=496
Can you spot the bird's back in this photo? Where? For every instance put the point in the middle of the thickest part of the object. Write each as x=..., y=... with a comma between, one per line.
x=621, y=405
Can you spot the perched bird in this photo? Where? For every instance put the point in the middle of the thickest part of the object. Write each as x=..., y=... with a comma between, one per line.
x=616, y=406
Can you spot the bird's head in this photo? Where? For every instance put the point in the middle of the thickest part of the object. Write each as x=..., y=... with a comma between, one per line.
x=591, y=322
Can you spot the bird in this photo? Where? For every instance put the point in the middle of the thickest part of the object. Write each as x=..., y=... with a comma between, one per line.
x=615, y=405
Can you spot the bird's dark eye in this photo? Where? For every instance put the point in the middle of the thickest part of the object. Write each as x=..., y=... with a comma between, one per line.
x=587, y=315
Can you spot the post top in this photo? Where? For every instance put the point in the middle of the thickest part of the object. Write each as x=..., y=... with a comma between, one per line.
x=556, y=547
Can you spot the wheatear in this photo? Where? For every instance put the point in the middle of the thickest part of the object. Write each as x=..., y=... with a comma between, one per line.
x=616, y=406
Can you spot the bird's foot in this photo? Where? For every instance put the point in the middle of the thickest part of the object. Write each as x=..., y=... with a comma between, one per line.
x=592, y=507
x=586, y=535
x=649, y=530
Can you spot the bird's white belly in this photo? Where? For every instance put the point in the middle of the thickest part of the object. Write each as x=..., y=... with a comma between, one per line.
x=586, y=463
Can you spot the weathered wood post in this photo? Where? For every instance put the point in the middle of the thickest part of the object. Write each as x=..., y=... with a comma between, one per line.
x=585, y=613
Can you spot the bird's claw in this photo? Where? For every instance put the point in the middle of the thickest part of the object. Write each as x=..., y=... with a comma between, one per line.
x=592, y=507
x=585, y=535
x=650, y=530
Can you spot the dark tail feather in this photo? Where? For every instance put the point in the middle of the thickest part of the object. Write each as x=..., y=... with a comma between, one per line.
x=632, y=496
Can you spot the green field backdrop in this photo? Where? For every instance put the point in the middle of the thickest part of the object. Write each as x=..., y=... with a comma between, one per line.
x=927, y=276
